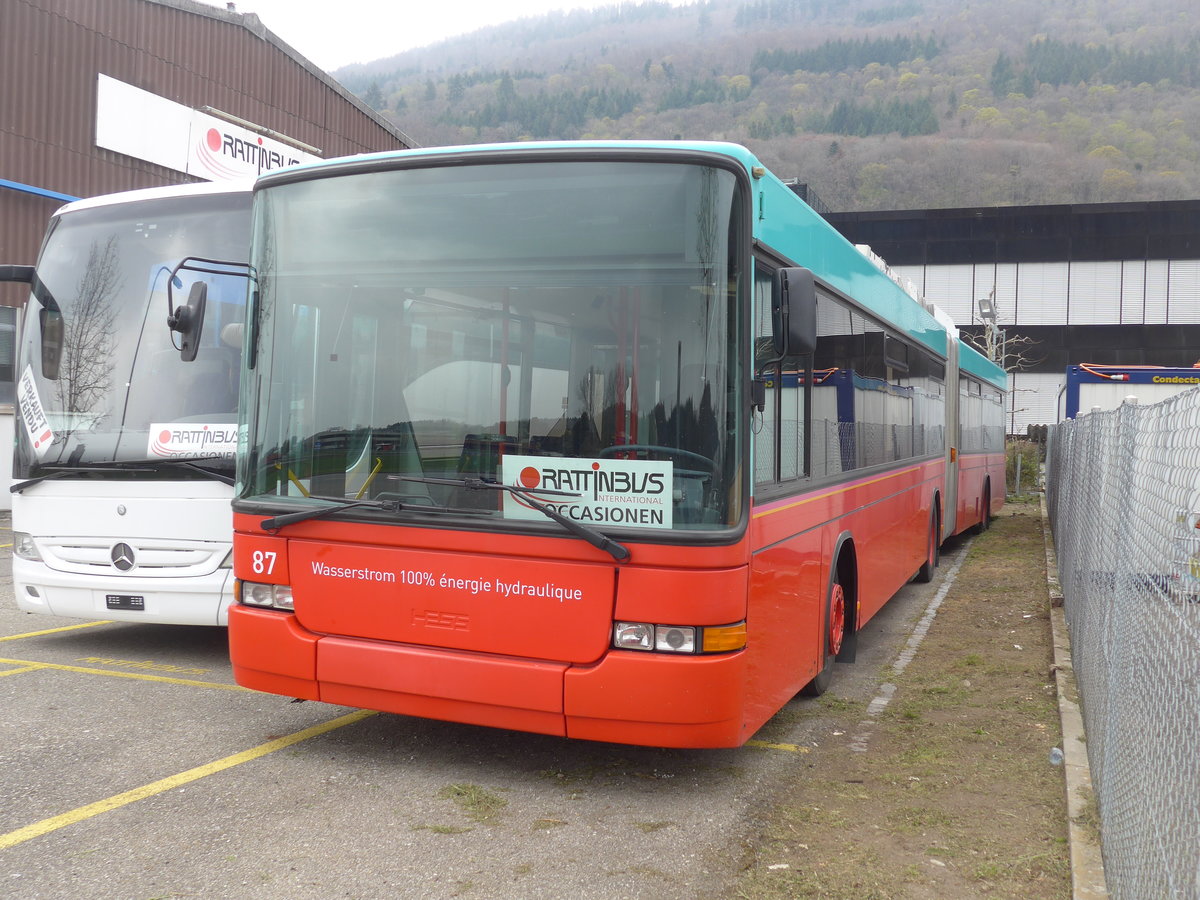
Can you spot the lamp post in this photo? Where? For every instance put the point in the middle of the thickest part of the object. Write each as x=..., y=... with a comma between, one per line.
x=993, y=335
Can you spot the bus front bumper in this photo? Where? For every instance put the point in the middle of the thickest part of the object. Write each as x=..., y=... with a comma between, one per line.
x=199, y=600
x=627, y=697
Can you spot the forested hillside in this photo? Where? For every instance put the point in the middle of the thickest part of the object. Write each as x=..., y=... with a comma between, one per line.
x=893, y=105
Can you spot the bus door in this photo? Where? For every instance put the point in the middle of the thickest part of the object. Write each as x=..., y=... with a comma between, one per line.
x=953, y=442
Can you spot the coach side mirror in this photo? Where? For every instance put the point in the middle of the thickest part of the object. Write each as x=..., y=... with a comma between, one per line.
x=794, y=312
x=188, y=320
x=51, y=325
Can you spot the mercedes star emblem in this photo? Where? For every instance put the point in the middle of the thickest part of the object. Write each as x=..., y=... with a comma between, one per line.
x=122, y=557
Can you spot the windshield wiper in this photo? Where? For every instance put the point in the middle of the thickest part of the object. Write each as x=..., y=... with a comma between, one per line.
x=274, y=523
x=391, y=505
x=597, y=539
x=60, y=471
x=147, y=465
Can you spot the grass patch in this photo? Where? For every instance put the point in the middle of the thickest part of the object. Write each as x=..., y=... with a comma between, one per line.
x=480, y=804
x=443, y=829
x=954, y=795
x=838, y=704
x=649, y=827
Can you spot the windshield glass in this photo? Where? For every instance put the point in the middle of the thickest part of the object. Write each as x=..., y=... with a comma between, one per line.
x=98, y=378
x=566, y=328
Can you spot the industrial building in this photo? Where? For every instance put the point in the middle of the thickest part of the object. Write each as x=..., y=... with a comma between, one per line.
x=98, y=96
x=113, y=95
x=1115, y=283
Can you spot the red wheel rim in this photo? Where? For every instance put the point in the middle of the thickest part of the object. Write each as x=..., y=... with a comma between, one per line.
x=837, y=618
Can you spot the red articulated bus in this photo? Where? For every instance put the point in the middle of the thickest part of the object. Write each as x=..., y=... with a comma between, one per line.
x=613, y=441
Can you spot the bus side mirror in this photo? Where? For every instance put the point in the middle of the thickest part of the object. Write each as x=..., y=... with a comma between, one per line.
x=794, y=312
x=51, y=322
x=188, y=320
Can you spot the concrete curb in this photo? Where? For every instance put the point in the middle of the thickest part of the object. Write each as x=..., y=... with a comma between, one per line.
x=1087, y=864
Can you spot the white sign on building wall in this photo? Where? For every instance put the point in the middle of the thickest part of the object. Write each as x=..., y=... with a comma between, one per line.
x=146, y=126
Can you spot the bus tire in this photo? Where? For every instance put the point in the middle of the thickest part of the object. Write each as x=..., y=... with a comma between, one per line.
x=933, y=553
x=833, y=633
x=985, y=514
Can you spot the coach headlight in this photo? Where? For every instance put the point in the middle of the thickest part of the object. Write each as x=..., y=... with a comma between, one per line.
x=269, y=596
x=24, y=547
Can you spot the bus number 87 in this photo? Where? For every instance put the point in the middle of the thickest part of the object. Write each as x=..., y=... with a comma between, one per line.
x=264, y=562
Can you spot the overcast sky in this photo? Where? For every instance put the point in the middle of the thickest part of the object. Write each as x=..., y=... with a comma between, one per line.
x=335, y=33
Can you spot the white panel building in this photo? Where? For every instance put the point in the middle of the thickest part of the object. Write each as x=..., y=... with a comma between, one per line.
x=1115, y=284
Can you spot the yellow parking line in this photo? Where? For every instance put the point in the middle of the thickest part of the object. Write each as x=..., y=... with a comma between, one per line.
x=30, y=668
x=83, y=670
x=30, y=634
x=790, y=748
x=37, y=829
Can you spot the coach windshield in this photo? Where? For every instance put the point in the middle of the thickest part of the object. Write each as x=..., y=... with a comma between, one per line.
x=101, y=386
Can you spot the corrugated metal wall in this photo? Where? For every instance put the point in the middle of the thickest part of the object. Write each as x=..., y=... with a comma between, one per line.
x=191, y=53
x=1118, y=292
x=1121, y=294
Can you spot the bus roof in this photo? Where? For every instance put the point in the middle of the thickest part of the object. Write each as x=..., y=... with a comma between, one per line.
x=159, y=193
x=722, y=148
x=971, y=360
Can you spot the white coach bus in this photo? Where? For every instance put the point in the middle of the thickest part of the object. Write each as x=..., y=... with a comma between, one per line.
x=124, y=454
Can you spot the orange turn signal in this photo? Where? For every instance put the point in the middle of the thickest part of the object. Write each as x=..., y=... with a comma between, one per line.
x=724, y=638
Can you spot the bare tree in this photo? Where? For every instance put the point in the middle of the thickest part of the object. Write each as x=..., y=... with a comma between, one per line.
x=89, y=341
x=1013, y=353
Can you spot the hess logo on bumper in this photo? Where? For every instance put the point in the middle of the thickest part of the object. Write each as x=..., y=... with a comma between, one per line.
x=432, y=618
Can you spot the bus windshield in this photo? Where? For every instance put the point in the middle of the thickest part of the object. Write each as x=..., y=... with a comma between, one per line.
x=455, y=342
x=101, y=382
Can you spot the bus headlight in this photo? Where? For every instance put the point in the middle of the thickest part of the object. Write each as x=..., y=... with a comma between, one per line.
x=633, y=636
x=674, y=639
x=269, y=596
x=679, y=638
x=24, y=547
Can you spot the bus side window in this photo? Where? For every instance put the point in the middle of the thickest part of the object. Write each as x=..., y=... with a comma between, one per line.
x=766, y=443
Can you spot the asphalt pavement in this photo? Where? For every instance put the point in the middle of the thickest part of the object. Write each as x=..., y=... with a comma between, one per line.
x=134, y=767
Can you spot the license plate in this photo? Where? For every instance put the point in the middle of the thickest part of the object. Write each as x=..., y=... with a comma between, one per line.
x=125, y=601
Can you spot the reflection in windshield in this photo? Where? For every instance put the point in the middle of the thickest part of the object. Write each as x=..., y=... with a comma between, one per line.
x=120, y=391
x=521, y=324
x=89, y=338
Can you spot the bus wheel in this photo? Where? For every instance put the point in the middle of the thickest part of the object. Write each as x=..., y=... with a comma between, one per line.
x=933, y=554
x=835, y=634
x=985, y=514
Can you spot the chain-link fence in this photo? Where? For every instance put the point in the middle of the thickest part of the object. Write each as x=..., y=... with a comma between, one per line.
x=1123, y=491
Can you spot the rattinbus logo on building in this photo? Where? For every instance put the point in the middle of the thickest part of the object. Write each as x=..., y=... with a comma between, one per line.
x=228, y=155
x=605, y=491
x=146, y=126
